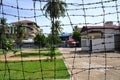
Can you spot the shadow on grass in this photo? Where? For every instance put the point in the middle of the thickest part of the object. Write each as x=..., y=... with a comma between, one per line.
x=36, y=54
x=14, y=51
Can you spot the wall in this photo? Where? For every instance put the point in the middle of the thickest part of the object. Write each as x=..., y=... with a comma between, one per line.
x=85, y=44
x=98, y=43
x=106, y=44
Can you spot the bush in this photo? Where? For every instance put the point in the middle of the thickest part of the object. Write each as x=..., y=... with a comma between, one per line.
x=7, y=43
x=40, y=40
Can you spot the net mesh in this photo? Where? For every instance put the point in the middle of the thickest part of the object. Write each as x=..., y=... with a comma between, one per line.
x=80, y=65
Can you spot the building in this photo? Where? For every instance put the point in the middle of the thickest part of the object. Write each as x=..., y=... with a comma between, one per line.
x=100, y=38
x=31, y=29
x=64, y=36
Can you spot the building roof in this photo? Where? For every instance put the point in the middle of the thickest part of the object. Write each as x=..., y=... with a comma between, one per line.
x=85, y=28
x=64, y=35
x=25, y=22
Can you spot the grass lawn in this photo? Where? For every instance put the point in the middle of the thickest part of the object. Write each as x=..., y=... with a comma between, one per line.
x=1, y=51
x=44, y=49
x=34, y=70
x=35, y=54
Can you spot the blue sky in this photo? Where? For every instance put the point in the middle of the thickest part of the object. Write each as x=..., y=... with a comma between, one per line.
x=93, y=14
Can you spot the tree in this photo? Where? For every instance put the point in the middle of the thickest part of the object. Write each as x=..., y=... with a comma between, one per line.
x=54, y=9
x=52, y=52
x=3, y=25
x=58, y=28
x=56, y=39
x=52, y=46
x=40, y=40
x=20, y=33
x=76, y=37
x=6, y=42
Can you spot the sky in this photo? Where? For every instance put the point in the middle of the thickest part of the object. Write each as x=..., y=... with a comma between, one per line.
x=74, y=14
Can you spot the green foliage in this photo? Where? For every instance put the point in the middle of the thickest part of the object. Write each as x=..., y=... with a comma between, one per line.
x=20, y=33
x=40, y=40
x=51, y=46
x=52, y=52
x=7, y=43
x=76, y=35
x=3, y=21
x=58, y=28
x=3, y=25
x=55, y=8
x=51, y=37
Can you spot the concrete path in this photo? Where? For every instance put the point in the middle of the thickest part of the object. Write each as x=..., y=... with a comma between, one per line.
x=83, y=66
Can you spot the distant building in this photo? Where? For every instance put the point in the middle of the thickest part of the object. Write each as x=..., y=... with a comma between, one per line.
x=100, y=38
x=31, y=28
x=108, y=23
x=64, y=36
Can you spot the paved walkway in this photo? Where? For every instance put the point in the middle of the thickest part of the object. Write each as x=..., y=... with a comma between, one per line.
x=82, y=66
x=69, y=59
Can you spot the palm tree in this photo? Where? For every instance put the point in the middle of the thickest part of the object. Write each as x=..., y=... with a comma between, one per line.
x=3, y=26
x=58, y=28
x=20, y=33
x=54, y=9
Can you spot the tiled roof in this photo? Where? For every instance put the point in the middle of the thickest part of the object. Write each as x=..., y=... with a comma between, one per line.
x=23, y=21
x=64, y=35
x=85, y=28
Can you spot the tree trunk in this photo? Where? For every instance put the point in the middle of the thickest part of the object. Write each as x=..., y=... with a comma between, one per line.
x=53, y=27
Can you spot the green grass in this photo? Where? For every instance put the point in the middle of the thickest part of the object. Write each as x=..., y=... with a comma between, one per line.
x=35, y=54
x=33, y=71
x=1, y=51
x=44, y=49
